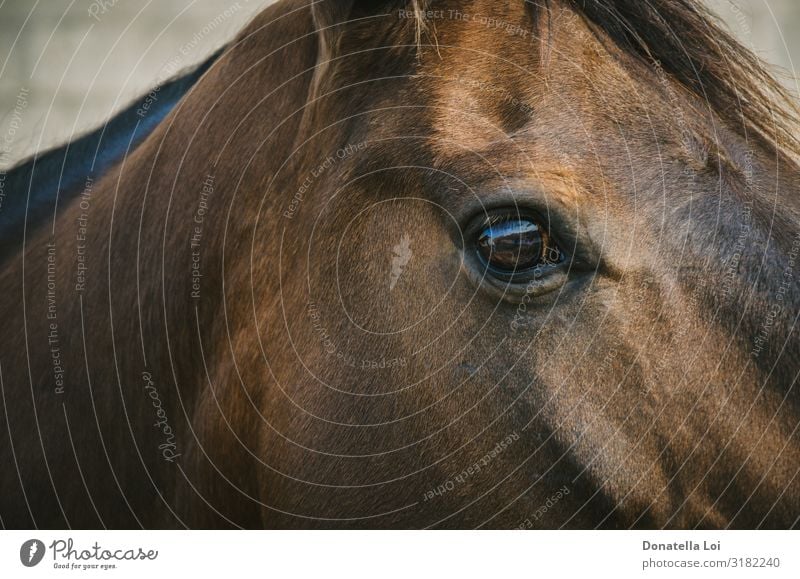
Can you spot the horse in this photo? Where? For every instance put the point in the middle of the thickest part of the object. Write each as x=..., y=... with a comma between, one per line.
x=416, y=264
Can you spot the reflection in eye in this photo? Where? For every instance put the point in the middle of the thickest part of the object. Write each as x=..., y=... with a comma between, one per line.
x=514, y=245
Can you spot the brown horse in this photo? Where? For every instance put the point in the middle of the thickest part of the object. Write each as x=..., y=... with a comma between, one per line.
x=460, y=263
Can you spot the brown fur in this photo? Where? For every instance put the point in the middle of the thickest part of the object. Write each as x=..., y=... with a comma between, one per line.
x=633, y=384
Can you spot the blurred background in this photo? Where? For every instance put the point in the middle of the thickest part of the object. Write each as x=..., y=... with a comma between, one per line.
x=67, y=65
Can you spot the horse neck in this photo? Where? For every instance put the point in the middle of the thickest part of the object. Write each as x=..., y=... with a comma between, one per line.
x=39, y=185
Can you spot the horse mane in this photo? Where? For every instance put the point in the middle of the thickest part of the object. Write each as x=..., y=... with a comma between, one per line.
x=691, y=45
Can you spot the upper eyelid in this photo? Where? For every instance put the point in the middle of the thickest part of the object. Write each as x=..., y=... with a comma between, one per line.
x=498, y=216
x=522, y=197
x=492, y=215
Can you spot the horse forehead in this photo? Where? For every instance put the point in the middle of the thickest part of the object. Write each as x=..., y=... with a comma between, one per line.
x=496, y=67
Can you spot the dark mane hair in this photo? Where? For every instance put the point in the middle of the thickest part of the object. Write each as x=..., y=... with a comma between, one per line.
x=690, y=44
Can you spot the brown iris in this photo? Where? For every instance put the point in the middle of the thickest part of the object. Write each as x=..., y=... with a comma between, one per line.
x=509, y=246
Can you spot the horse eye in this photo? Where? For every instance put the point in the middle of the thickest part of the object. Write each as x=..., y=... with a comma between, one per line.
x=512, y=245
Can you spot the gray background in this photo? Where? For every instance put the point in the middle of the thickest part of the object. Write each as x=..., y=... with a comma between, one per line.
x=63, y=71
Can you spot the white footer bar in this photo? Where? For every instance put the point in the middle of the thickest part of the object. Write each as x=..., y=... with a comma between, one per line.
x=402, y=555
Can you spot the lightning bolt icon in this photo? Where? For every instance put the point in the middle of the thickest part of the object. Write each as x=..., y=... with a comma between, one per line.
x=34, y=549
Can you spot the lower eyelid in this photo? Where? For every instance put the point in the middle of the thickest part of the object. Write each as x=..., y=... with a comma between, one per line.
x=517, y=291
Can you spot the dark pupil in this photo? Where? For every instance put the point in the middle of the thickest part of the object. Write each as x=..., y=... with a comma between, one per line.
x=513, y=245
